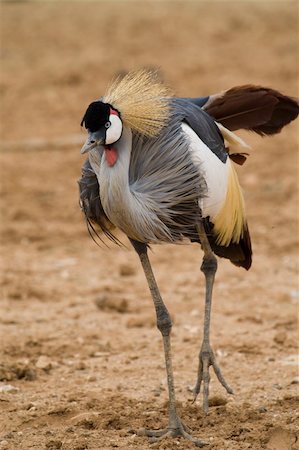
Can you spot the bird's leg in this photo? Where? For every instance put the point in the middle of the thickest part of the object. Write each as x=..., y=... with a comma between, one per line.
x=206, y=354
x=164, y=324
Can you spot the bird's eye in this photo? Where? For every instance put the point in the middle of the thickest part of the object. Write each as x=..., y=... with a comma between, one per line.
x=107, y=124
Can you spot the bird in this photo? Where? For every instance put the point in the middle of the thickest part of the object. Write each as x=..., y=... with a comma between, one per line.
x=160, y=168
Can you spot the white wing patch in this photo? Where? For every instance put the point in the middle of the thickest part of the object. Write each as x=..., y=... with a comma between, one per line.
x=215, y=172
x=224, y=202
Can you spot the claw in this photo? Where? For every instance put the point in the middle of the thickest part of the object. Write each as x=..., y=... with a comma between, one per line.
x=158, y=435
x=179, y=430
x=207, y=359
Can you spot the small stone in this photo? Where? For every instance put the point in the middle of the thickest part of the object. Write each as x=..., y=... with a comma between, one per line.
x=85, y=420
x=44, y=363
x=29, y=405
x=105, y=303
x=53, y=444
x=3, y=444
x=295, y=380
x=30, y=374
x=92, y=378
x=157, y=392
x=262, y=409
x=280, y=337
x=126, y=270
x=290, y=360
x=80, y=365
x=217, y=401
x=8, y=388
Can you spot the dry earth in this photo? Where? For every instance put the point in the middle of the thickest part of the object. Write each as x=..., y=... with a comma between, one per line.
x=81, y=360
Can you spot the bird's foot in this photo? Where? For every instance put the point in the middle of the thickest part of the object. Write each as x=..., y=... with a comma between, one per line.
x=207, y=359
x=179, y=429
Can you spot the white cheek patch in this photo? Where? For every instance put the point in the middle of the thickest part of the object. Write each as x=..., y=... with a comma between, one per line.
x=113, y=133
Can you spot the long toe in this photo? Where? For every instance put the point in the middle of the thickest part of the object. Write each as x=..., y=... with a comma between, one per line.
x=180, y=431
x=207, y=359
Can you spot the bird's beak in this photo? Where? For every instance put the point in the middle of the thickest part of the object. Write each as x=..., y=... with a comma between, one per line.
x=94, y=140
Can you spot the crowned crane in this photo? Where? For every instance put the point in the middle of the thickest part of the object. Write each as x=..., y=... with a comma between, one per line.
x=160, y=169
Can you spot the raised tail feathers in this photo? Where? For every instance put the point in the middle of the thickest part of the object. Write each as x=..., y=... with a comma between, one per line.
x=262, y=110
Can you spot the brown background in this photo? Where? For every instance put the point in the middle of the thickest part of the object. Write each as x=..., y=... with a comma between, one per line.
x=79, y=346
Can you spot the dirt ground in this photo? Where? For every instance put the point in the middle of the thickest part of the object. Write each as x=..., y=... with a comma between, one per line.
x=81, y=360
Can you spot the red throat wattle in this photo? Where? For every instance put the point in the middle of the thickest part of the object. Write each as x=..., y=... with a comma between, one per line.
x=111, y=155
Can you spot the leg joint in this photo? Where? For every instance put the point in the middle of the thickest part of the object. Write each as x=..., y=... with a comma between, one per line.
x=164, y=323
x=209, y=264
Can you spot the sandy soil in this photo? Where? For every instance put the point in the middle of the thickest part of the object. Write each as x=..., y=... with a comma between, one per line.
x=81, y=360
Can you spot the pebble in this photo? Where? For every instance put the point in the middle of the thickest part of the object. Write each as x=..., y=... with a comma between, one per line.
x=3, y=444
x=80, y=365
x=8, y=388
x=295, y=380
x=217, y=401
x=105, y=303
x=290, y=360
x=157, y=392
x=44, y=363
x=126, y=271
x=53, y=444
x=87, y=419
x=280, y=337
x=30, y=405
x=262, y=409
x=30, y=374
x=91, y=378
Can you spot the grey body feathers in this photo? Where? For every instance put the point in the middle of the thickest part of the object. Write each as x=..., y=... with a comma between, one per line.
x=165, y=186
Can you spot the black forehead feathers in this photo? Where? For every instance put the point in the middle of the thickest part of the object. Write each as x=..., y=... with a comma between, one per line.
x=96, y=115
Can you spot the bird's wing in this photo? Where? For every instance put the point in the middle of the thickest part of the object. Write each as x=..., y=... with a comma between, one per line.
x=91, y=205
x=198, y=101
x=223, y=205
x=202, y=124
x=254, y=108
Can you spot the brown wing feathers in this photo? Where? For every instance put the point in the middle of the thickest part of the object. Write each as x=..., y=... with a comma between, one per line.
x=255, y=108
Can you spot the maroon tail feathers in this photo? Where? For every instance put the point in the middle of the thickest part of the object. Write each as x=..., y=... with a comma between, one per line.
x=255, y=108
